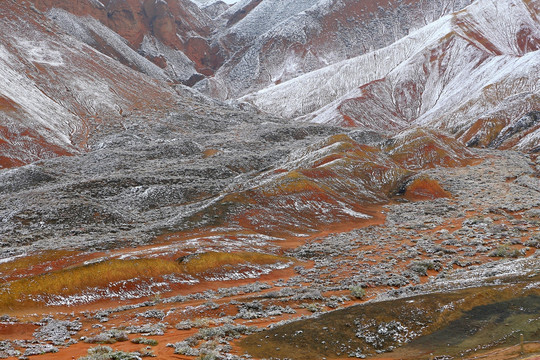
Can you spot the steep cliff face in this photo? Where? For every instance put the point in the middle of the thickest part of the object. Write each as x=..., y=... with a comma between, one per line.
x=170, y=34
x=473, y=73
x=271, y=41
x=56, y=91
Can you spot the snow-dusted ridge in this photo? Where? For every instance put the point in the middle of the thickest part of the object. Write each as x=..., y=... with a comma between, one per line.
x=58, y=89
x=479, y=63
x=308, y=93
x=274, y=41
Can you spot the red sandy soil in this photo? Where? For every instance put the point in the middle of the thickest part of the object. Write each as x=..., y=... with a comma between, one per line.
x=172, y=335
x=531, y=352
x=188, y=310
x=17, y=331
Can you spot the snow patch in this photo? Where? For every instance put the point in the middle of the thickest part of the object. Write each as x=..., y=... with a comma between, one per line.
x=310, y=92
x=11, y=258
x=82, y=27
x=353, y=213
x=41, y=52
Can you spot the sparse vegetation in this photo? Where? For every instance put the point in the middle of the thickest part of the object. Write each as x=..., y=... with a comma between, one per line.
x=76, y=279
x=145, y=341
x=144, y=352
x=26, y=262
x=201, y=263
x=421, y=267
x=197, y=197
x=184, y=325
x=109, y=337
x=152, y=314
x=73, y=280
x=208, y=356
x=185, y=348
x=534, y=241
x=232, y=331
x=100, y=339
x=201, y=322
x=107, y=353
x=357, y=292
x=505, y=251
x=313, y=307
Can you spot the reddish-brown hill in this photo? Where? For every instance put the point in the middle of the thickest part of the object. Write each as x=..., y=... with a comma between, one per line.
x=178, y=25
x=269, y=42
x=473, y=73
x=55, y=91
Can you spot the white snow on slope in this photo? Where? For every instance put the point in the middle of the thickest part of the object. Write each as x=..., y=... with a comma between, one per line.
x=324, y=33
x=469, y=87
x=97, y=4
x=483, y=88
x=530, y=141
x=310, y=92
x=179, y=66
x=266, y=16
x=82, y=28
x=207, y=2
x=497, y=24
x=51, y=119
x=58, y=89
x=463, y=67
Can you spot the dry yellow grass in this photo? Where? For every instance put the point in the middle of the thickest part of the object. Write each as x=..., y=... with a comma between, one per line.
x=74, y=280
x=33, y=260
x=209, y=261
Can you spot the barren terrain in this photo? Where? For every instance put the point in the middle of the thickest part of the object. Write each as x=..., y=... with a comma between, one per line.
x=375, y=193
x=476, y=247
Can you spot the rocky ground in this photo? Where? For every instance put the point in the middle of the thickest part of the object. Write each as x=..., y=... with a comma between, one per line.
x=180, y=226
x=138, y=181
x=484, y=239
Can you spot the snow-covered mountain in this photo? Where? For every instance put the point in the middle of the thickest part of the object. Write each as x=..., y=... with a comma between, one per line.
x=170, y=34
x=55, y=90
x=473, y=73
x=271, y=41
x=378, y=65
x=232, y=50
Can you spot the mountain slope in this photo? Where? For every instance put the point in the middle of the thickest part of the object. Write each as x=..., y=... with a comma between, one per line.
x=171, y=34
x=272, y=41
x=447, y=75
x=55, y=91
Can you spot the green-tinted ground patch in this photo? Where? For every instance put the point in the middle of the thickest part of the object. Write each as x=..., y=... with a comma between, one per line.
x=442, y=323
x=490, y=325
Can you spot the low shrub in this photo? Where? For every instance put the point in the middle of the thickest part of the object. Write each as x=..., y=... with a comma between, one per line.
x=505, y=251
x=421, y=267
x=109, y=337
x=534, y=243
x=357, y=292
x=201, y=263
x=145, y=341
x=107, y=353
x=313, y=307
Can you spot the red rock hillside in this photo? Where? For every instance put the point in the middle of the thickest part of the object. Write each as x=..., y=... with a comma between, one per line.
x=55, y=91
x=272, y=41
x=165, y=32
